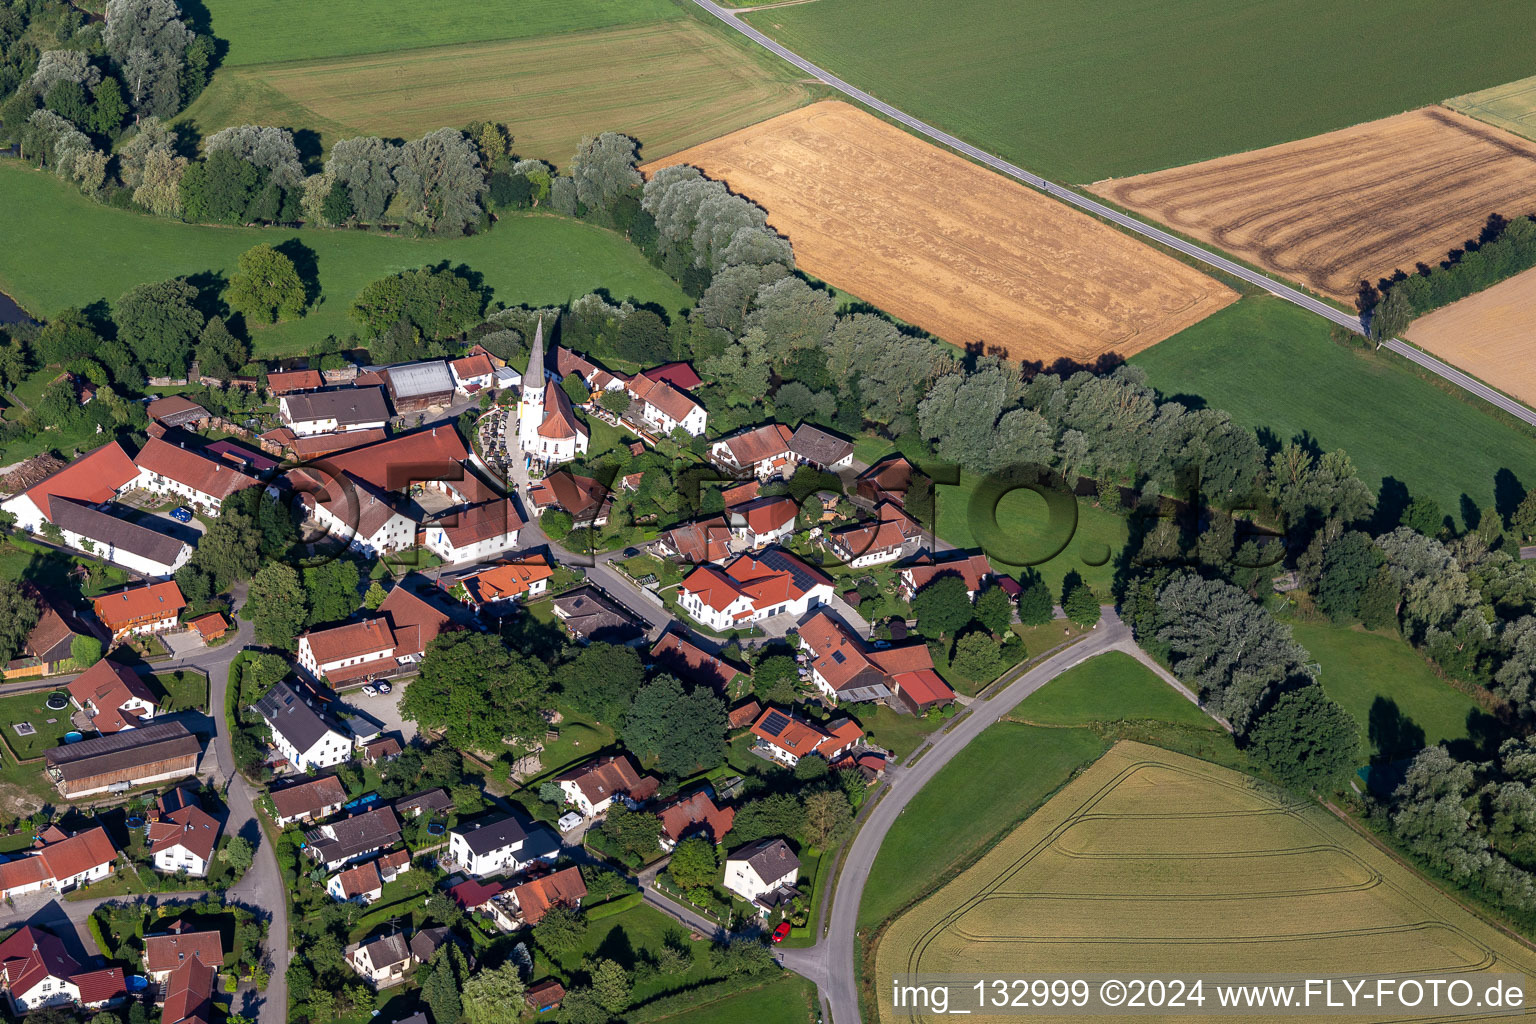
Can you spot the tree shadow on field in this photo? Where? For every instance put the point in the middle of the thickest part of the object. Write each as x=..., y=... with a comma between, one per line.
x=1392, y=733
x=1508, y=493
x=307, y=263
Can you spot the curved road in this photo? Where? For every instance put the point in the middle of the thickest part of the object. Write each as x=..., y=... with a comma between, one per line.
x=830, y=963
x=1050, y=188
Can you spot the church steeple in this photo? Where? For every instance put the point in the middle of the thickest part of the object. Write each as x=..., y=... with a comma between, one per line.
x=535, y=375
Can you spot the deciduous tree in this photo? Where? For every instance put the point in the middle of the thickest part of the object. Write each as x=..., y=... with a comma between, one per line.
x=266, y=287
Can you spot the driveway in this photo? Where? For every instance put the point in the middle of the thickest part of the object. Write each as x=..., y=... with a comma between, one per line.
x=383, y=708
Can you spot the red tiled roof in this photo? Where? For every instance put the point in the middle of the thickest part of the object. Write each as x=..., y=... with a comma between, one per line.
x=765, y=515
x=386, y=747
x=295, y=380
x=308, y=797
x=173, y=405
x=974, y=570
x=100, y=986
x=191, y=828
x=684, y=658
x=923, y=686
x=132, y=604
x=679, y=375
x=167, y=952
x=581, y=496
x=189, y=994
x=108, y=686
x=209, y=476
x=415, y=622
x=713, y=587
x=893, y=529
x=506, y=579
x=211, y=626
x=706, y=540
x=696, y=811
x=482, y=522
x=318, y=445
x=767, y=584
x=741, y=493
x=394, y=860
x=564, y=888
x=567, y=361
x=559, y=419
x=93, y=478
x=473, y=366
x=602, y=779
x=741, y=717
x=394, y=464
x=839, y=656
x=30, y=955
x=801, y=738
x=79, y=853
x=23, y=871
x=658, y=393
x=760, y=444
x=364, y=878
x=353, y=640
x=471, y=894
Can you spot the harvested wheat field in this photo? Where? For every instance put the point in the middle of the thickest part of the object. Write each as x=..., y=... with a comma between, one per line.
x=670, y=84
x=1158, y=865
x=955, y=249
x=1491, y=335
x=1351, y=205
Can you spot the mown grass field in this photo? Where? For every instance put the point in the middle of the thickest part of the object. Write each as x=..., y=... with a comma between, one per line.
x=1274, y=368
x=1100, y=88
x=1150, y=861
x=953, y=818
x=1399, y=703
x=787, y=999
x=1110, y=687
x=78, y=252
x=261, y=31
x=671, y=84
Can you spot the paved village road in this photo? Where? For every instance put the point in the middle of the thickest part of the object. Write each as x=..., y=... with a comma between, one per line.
x=1066, y=195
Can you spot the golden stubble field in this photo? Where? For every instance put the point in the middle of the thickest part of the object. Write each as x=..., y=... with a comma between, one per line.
x=951, y=247
x=1151, y=863
x=670, y=84
x=1352, y=205
x=1491, y=335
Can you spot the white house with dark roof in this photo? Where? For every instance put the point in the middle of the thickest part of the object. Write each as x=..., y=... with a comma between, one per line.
x=329, y=412
x=763, y=873
x=499, y=845
x=382, y=961
x=300, y=733
x=348, y=839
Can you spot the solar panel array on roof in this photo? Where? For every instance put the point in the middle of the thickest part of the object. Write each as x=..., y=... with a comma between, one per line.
x=798, y=571
x=775, y=723
x=838, y=657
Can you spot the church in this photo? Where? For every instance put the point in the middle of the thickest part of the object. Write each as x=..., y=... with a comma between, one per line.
x=547, y=429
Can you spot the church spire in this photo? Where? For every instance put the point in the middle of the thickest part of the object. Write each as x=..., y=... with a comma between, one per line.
x=535, y=375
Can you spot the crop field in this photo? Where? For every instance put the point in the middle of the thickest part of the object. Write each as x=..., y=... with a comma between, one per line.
x=1096, y=88
x=1152, y=862
x=671, y=84
x=1350, y=206
x=959, y=251
x=1274, y=367
x=78, y=252
x=1491, y=335
x=260, y=31
x=1398, y=702
x=1511, y=106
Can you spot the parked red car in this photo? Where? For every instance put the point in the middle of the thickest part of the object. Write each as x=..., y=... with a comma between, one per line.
x=781, y=932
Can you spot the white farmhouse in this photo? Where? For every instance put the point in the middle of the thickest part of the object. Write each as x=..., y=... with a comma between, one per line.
x=328, y=412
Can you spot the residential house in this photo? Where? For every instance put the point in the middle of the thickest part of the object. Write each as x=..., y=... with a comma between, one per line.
x=428, y=941
x=475, y=533
x=694, y=815
x=311, y=800
x=974, y=569
x=135, y=611
x=93, y=479
x=703, y=540
x=548, y=430
x=381, y=961
x=175, y=471
x=751, y=589
x=416, y=387
x=787, y=739
x=763, y=873
x=49, y=647
x=678, y=655
x=301, y=734
x=662, y=408
x=821, y=449
x=589, y=614
x=37, y=971
x=764, y=521
x=473, y=373
x=158, y=752
x=188, y=994
x=174, y=411
x=348, y=839
x=594, y=786
x=364, y=883
x=760, y=451
x=286, y=383
x=840, y=668
x=182, y=841
x=62, y=863
x=892, y=536
x=398, y=635
x=166, y=952
x=504, y=581
x=584, y=499
x=499, y=844
x=334, y=412
x=563, y=888
x=381, y=750
x=887, y=480
x=113, y=695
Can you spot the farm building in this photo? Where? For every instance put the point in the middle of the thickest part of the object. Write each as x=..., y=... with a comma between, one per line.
x=173, y=471
x=134, y=611
x=49, y=647
x=416, y=387
x=822, y=449
x=280, y=384
x=330, y=412
x=133, y=757
x=175, y=411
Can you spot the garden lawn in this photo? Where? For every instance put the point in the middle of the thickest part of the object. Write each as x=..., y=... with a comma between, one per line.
x=24, y=560
x=900, y=734
x=78, y=252
x=1365, y=671
x=185, y=690
x=784, y=999
x=50, y=725
x=1087, y=90
x=990, y=786
x=1109, y=687
x=266, y=30
x=1274, y=367
x=624, y=937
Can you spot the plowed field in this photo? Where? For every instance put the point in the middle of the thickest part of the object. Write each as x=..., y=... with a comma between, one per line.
x=950, y=247
x=1352, y=205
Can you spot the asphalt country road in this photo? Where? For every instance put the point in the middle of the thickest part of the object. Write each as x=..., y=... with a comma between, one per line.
x=1050, y=188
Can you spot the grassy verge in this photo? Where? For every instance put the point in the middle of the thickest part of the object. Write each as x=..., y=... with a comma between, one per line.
x=1112, y=686
x=783, y=999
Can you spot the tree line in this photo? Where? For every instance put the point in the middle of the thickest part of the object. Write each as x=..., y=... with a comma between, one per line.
x=1506, y=249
